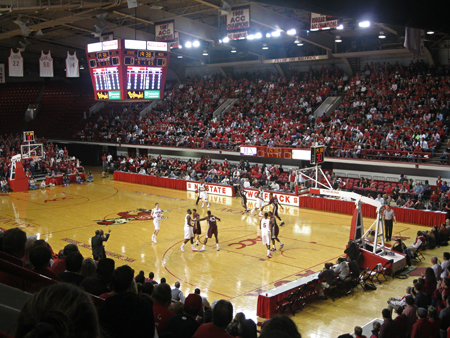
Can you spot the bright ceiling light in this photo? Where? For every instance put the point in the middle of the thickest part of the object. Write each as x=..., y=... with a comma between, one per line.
x=258, y=35
x=220, y=40
x=265, y=46
x=180, y=56
x=188, y=44
x=275, y=34
x=180, y=47
x=338, y=39
x=291, y=32
x=233, y=50
x=382, y=36
x=300, y=44
x=340, y=27
x=205, y=53
x=196, y=43
x=250, y=37
x=268, y=35
x=226, y=39
x=364, y=24
x=430, y=32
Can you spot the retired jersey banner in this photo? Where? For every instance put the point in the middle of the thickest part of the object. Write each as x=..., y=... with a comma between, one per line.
x=319, y=21
x=2, y=73
x=238, y=19
x=165, y=31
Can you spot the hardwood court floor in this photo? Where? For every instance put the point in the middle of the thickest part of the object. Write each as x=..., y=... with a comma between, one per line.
x=238, y=272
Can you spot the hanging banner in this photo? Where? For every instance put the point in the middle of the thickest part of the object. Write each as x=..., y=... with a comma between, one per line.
x=15, y=63
x=238, y=19
x=72, y=65
x=319, y=22
x=46, y=65
x=237, y=35
x=2, y=73
x=175, y=43
x=165, y=31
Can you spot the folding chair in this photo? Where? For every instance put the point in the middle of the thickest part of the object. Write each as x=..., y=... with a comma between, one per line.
x=299, y=297
x=285, y=303
x=366, y=278
x=311, y=293
x=386, y=269
x=334, y=290
x=417, y=255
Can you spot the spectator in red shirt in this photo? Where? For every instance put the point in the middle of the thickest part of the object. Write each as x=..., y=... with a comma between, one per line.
x=162, y=297
x=60, y=264
x=222, y=315
x=422, y=327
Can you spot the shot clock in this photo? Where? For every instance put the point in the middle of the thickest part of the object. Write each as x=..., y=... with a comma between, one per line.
x=317, y=154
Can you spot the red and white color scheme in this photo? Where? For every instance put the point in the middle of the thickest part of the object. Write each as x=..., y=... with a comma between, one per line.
x=215, y=189
x=237, y=35
x=238, y=19
x=72, y=65
x=2, y=73
x=285, y=199
x=176, y=42
x=165, y=31
x=46, y=65
x=15, y=62
x=320, y=22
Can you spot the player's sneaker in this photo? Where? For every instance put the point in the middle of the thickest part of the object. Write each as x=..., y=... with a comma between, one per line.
x=194, y=249
x=281, y=246
x=196, y=243
x=269, y=255
x=218, y=249
x=282, y=223
x=181, y=248
x=246, y=210
x=154, y=240
x=202, y=249
x=207, y=205
x=273, y=249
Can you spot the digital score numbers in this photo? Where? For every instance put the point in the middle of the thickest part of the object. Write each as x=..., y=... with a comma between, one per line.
x=28, y=136
x=317, y=154
x=128, y=70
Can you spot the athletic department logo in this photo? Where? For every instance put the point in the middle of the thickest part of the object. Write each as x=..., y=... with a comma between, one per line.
x=128, y=216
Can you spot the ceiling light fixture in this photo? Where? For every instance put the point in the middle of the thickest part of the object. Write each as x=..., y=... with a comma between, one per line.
x=196, y=43
x=291, y=32
x=382, y=36
x=188, y=44
x=265, y=47
x=226, y=39
x=258, y=35
x=364, y=24
x=233, y=50
x=338, y=39
x=430, y=32
x=340, y=27
x=275, y=34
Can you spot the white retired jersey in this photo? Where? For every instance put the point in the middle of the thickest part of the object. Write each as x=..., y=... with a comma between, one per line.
x=15, y=62
x=157, y=213
x=72, y=66
x=45, y=65
x=265, y=225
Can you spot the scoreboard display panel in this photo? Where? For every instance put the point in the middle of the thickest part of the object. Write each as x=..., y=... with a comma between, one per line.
x=128, y=70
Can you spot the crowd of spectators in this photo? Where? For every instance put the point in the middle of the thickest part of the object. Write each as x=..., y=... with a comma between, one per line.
x=126, y=305
x=388, y=112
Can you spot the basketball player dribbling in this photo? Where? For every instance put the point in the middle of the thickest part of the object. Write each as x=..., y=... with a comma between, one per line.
x=188, y=231
x=243, y=195
x=266, y=235
x=203, y=193
x=197, y=227
x=274, y=202
x=212, y=229
x=156, y=215
x=275, y=231
x=259, y=201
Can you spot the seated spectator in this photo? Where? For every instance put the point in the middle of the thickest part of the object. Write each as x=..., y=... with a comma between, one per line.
x=162, y=297
x=60, y=310
x=88, y=268
x=342, y=268
x=409, y=203
x=74, y=261
x=4, y=185
x=90, y=177
x=400, y=202
x=436, y=267
x=420, y=240
x=393, y=302
x=420, y=297
x=177, y=294
x=283, y=324
x=60, y=264
x=32, y=183
x=40, y=256
x=185, y=325
x=100, y=283
x=222, y=314
x=66, y=180
x=13, y=242
x=121, y=281
x=419, y=205
x=140, y=278
x=78, y=179
x=147, y=288
x=326, y=278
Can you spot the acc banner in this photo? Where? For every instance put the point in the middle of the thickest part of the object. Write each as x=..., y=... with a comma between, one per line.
x=165, y=31
x=239, y=18
x=46, y=65
x=319, y=21
x=15, y=63
x=2, y=73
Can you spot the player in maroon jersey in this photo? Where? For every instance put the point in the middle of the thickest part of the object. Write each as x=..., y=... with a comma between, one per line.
x=275, y=231
x=274, y=202
x=243, y=195
x=197, y=227
x=212, y=229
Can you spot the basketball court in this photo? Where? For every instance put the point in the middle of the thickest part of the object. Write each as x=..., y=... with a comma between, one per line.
x=238, y=272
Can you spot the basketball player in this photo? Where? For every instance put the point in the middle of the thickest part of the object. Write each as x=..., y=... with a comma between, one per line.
x=243, y=194
x=197, y=227
x=188, y=231
x=259, y=201
x=275, y=231
x=203, y=193
x=266, y=230
x=156, y=215
x=212, y=229
x=274, y=202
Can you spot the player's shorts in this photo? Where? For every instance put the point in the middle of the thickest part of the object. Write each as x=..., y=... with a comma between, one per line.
x=188, y=232
x=204, y=195
x=275, y=231
x=212, y=230
x=197, y=229
x=259, y=203
x=265, y=236
x=157, y=223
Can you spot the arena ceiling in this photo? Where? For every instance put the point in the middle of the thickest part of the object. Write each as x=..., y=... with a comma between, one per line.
x=68, y=25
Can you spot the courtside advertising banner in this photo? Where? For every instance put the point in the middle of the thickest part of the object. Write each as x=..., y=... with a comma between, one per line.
x=216, y=189
x=285, y=199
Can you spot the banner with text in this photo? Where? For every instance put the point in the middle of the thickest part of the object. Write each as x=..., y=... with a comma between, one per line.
x=298, y=59
x=165, y=31
x=319, y=22
x=216, y=189
x=2, y=73
x=238, y=19
x=176, y=42
x=288, y=199
x=237, y=35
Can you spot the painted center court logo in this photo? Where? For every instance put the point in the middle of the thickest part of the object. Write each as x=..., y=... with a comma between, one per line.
x=128, y=216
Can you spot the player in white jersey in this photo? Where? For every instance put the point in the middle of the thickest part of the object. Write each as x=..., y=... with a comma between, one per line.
x=259, y=201
x=266, y=233
x=156, y=215
x=203, y=193
x=188, y=231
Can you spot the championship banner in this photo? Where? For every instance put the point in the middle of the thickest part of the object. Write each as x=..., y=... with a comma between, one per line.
x=237, y=35
x=238, y=19
x=165, y=31
x=2, y=73
x=298, y=59
x=319, y=22
x=216, y=189
x=176, y=42
x=285, y=199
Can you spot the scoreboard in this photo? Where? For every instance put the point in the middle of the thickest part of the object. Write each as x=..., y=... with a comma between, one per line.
x=130, y=70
